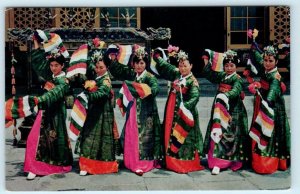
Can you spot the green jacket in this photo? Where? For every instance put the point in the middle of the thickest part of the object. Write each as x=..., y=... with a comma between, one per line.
x=150, y=135
x=54, y=145
x=193, y=141
x=96, y=140
x=235, y=143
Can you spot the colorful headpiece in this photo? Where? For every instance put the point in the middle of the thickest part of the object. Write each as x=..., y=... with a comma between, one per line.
x=182, y=56
x=231, y=57
x=140, y=52
x=53, y=54
x=270, y=50
x=97, y=56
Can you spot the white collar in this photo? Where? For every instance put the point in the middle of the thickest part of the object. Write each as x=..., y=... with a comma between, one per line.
x=273, y=70
x=59, y=75
x=187, y=76
x=138, y=77
x=101, y=75
x=229, y=76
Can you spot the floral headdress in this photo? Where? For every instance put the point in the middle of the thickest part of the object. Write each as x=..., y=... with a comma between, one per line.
x=97, y=56
x=140, y=52
x=53, y=54
x=182, y=56
x=270, y=50
x=231, y=56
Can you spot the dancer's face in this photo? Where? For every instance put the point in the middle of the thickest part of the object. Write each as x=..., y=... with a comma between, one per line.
x=140, y=66
x=185, y=67
x=269, y=62
x=56, y=68
x=229, y=68
x=100, y=68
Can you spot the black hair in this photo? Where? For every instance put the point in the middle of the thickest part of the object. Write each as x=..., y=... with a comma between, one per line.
x=60, y=59
x=137, y=59
x=231, y=59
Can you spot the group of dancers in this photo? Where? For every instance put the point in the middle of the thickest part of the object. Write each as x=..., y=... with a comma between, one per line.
x=176, y=144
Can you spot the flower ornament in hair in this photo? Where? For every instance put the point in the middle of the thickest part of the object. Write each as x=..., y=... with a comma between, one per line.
x=172, y=50
x=270, y=50
x=182, y=56
x=140, y=52
x=230, y=55
x=97, y=56
x=98, y=43
x=54, y=53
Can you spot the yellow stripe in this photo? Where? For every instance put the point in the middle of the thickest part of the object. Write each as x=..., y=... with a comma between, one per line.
x=79, y=113
x=81, y=52
x=180, y=138
x=219, y=62
x=146, y=89
x=265, y=124
x=52, y=41
x=222, y=115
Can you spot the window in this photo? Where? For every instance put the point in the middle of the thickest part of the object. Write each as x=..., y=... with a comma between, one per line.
x=119, y=17
x=239, y=20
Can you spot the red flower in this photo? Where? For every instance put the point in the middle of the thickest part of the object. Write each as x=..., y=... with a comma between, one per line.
x=96, y=42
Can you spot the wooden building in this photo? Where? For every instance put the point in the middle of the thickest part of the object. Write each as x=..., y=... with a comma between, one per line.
x=191, y=28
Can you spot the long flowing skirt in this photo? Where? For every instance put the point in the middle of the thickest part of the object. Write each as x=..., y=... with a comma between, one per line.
x=172, y=163
x=131, y=144
x=30, y=163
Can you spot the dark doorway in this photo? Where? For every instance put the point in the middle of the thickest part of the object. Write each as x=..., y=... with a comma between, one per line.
x=192, y=28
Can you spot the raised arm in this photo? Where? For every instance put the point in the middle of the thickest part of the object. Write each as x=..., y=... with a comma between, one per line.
x=236, y=89
x=166, y=70
x=103, y=91
x=212, y=76
x=120, y=71
x=39, y=62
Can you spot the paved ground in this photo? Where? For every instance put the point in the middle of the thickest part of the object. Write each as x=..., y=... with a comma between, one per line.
x=156, y=180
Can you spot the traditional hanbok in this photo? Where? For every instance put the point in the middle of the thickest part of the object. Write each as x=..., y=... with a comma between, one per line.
x=270, y=128
x=142, y=134
x=227, y=143
x=95, y=144
x=182, y=136
x=48, y=149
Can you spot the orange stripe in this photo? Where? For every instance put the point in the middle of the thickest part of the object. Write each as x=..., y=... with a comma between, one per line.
x=8, y=107
x=80, y=114
x=8, y=124
x=52, y=41
x=97, y=166
x=184, y=166
x=265, y=123
x=180, y=130
x=142, y=89
x=77, y=65
x=81, y=51
x=178, y=136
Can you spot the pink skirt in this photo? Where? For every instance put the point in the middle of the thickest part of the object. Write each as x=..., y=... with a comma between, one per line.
x=131, y=146
x=30, y=163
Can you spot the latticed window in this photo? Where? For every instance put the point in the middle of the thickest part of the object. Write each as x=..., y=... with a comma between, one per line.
x=239, y=20
x=280, y=23
x=119, y=17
